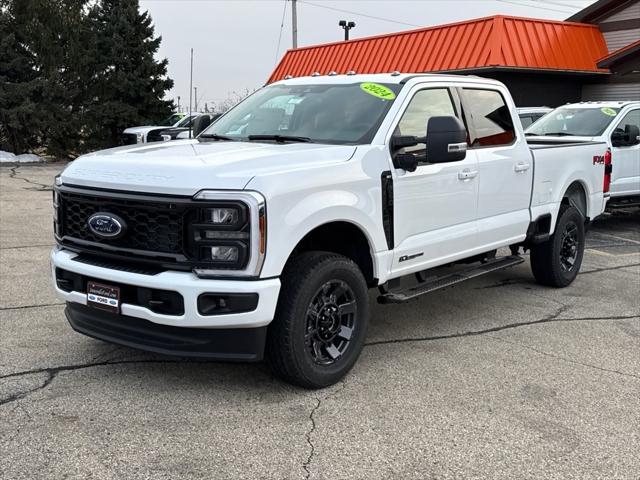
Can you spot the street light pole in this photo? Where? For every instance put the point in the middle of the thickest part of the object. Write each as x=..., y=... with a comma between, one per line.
x=346, y=26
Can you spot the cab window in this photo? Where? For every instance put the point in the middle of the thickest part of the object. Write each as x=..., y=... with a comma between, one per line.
x=425, y=104
x=490, y=117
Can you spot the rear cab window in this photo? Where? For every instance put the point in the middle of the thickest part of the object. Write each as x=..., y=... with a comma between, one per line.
x=490, y=121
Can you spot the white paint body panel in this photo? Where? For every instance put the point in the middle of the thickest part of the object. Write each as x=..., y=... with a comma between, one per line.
x=309, y=185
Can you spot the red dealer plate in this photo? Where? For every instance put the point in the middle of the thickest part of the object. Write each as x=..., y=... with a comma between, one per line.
x=104, y=297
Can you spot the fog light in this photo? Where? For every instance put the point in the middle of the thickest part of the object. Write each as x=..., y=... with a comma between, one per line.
x=223, y=303
x=225, y=254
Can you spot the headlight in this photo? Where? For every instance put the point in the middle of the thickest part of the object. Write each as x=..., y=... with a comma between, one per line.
x=223, y=215
x=227, y=235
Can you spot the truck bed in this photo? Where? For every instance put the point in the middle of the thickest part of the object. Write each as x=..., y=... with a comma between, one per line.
x=550, y=183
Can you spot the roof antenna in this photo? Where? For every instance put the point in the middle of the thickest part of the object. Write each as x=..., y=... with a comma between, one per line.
x=190, y=93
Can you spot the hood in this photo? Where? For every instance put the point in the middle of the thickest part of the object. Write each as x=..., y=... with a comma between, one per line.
x=142, y=129
x=184, y=167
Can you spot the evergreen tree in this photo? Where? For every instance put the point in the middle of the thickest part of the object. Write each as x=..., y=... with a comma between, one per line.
x=21, y=87
x=129, y=84
x=43, y=68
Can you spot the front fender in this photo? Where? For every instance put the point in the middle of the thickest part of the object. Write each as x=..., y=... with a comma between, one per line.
x=299, y=202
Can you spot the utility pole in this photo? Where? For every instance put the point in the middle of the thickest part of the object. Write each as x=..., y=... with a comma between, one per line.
x=294, y=26
x=178, y=103
x=190, y=91
x=195, y=94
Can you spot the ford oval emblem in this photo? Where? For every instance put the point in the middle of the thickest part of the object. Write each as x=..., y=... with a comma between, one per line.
x=106, y=225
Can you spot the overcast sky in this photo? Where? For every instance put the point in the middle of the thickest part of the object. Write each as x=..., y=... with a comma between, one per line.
x=235, y=42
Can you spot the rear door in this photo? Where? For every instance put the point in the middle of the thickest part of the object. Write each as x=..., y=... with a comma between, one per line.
x=626, y=160
x=505, y=166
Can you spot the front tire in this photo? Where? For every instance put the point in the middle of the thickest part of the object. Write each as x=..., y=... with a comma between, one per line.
x=556, y=262
x=321, y=320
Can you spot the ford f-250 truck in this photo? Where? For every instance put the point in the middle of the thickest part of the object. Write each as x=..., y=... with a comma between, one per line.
x=261, y=237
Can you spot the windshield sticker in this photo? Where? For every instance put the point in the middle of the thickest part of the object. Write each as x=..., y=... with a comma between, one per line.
x=378, y=90
x=609, y=111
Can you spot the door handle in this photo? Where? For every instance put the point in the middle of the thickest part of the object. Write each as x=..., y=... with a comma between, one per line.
x=522, y=167
x=467, y=174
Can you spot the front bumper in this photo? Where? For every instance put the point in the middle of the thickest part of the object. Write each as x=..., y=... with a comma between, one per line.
x=229, y=344
x=187, y=284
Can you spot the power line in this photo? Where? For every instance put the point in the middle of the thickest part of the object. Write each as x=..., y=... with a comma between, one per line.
x=513, y=2
x=284, y=11
x=558, y=3
x=360, y=14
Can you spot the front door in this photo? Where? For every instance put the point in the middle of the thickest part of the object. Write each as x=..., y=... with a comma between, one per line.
x=626, y=161
x=434, y=206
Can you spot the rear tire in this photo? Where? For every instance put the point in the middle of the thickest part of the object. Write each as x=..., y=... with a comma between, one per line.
x=321, y=320
x=556, y=262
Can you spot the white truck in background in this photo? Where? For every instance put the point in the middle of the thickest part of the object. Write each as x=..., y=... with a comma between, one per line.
x=615, y=123
x=261, y=236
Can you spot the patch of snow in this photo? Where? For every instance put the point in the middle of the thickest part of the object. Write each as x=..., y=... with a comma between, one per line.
x=8, y=157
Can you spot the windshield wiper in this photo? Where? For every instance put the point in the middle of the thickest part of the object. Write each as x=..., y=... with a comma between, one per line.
x=557, y=134
x=215, y=136
x=280, y=138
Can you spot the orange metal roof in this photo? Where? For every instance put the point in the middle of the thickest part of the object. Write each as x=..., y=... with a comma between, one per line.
x=498, y=41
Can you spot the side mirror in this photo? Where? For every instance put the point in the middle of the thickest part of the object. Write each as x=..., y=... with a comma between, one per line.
x=199, y=124
x=405, y=161
x=446, y=140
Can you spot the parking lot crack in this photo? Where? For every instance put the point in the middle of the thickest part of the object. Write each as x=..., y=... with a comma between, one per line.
x=53, y=372
x=564, y=359
x=312, y=448
x=38, y=186
x=37, y=305
x=549, y=319
x=606, y=269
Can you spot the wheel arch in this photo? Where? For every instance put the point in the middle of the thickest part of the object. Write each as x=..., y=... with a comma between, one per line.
x=344, y=238
x=576, y=195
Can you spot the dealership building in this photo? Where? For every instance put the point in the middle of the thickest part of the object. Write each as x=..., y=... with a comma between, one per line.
x=593, y=55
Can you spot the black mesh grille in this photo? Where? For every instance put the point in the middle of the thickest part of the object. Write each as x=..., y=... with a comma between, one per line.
x=155, y=225
x=129, y=139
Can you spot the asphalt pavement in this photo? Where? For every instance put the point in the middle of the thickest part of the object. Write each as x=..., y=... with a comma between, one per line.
x=496, y=378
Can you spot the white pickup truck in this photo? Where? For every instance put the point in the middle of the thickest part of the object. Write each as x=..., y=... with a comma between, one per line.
x=615, y=123
x=261, y=237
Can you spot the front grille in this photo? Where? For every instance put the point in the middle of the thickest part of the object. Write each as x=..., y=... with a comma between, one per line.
x=155, y=226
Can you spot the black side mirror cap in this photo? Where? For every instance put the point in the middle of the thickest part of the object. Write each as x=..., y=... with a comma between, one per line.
x=406, y=161
x=446, y=140
x=403, y=141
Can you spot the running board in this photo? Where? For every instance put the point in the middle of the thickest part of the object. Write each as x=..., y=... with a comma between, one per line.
x=444, y=281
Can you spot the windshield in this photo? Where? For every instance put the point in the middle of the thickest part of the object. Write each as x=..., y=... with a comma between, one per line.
x=329, y=113
x=170, y=120
x=185, y=121
x=580, y=122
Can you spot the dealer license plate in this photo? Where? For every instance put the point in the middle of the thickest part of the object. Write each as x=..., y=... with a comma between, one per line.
x=104, y=297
